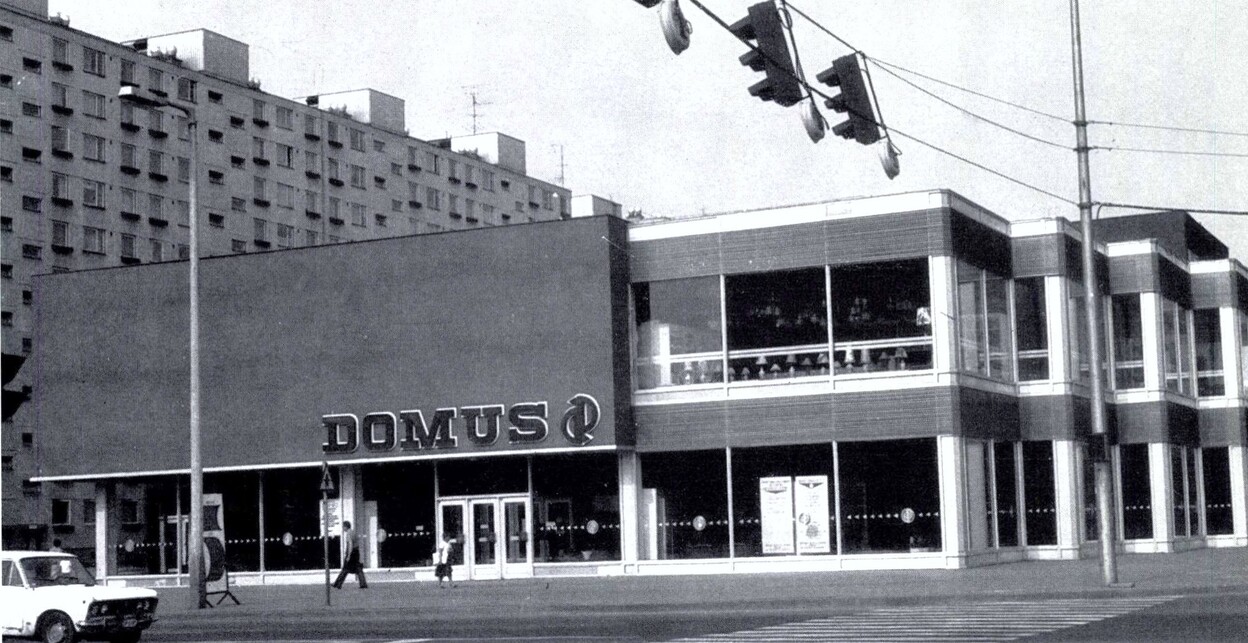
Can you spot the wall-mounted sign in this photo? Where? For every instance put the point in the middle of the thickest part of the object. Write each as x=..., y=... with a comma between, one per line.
x=481, y=425
x=775, y=496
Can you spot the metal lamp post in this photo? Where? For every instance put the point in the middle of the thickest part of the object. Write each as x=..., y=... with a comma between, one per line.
x=195, y=548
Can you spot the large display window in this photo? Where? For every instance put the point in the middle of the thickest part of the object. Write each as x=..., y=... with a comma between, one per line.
x=1176, y=347
x=1178, y=485
x=1191, y=454
x=1031, y=328
x=292, y=520
x=1208, y=332
x=984, y=323
x=239, y=516
x=1219, y=520
x=404, y=497
x=1128, y=341
x=1137, y=497
x=576, y=507
x=1005, y=476
x=678, y=333
x=777, y=324
x=890, y=496
x=147, y=527
x=1040, y=493
x=686, y=496
x=881, y=317
x=783, y=501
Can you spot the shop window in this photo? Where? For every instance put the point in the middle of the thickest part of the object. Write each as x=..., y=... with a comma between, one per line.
x=1091, y=519
x=1032, y=329
x=472, y=477
x=984, y=323
x=240, y=515
x=1128, y=341
x=783, y=500
x=292, y=520
x=1193, y=507
x=1208, y=333
x=686, y=496
x=405, y=511
x=576, y=508
x=679, y=340
x=1216, y=466
x=60, y=512
x=1137, y=503
x=777, y=324
x=1176, y=352
x=1178, y=496
x=890, y=498
x=1039, y=493
x=881, y=317
x=1005, y=476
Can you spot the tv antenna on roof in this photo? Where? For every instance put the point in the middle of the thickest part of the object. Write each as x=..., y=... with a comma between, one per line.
x=473, y=94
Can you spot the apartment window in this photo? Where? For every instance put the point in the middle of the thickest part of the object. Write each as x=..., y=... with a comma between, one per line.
x=487, y=180
x=183, y=209
x=129, y=155
x=127, y=246
x=413, y=191
x=311, y=161
x=1176, y=335
x=92, y=240
x=413, y=156
x=1128, y=341
x=215, y=97
x=6, y=271
x=32, y=110
x=257, y=188
x=6, y=174
x=155, y=162
x=396, y=169
x=92, y=193
x=257, y=147
x=127, y=72
x=284, y=233
x=331, y=168
x=183, y=125
x=6, y=33
x=285, y=195
x=470, y=208
x=155, y=120
x=285, y=117
x=92, y=104
x=452, y=204
x=60, y=139
x=60, y=233
x=984, y=323
x=60, y=512
x=309, y=124
x=60, y=51
x=431, y=163
x=357, y=176
x=547, y=198
x=238, y=204
x=261, y=229
x=452, y=169
x=216, y=136
x=216, y=177
x=155, y=206
x=238, y=246
x=129, y=200
x=433, y=199
x=59, y=95
x=469, y=174
x=184, y=251
x=285, y=155
x=6, y=319
x=380, y=219
x=60, y=186
x=32, y=203
x=257, y=109
x=357, y=139
x=379, y=145
x=186, y=90
x=93, y=61
x=359, y=214
x=1208, y=333
x=335, y=208
x=6, y=81
x=88, y=512
x=487, y=213
x=127, y=114
x=216, y=220
x=312, y=200
x=396, y=205
x=155, y=79
x=312, y=237
x=93, y=147
x=31, y=65
x=379, y=181
x=158, y=250
x=331, y=131
x=28, y=297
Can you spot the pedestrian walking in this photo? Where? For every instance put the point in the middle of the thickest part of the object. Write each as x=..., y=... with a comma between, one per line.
x=442, y=556
x=351, y=557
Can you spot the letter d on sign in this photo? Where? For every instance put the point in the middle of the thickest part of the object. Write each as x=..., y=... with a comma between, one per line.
x=335, y=427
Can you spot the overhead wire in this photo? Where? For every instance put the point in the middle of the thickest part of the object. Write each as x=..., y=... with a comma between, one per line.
x=1109, y=148
x=815, y=90
x=1196, y=130
x=1133, y=206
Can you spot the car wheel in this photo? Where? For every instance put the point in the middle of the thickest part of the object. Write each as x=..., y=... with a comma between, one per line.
x=56, y=627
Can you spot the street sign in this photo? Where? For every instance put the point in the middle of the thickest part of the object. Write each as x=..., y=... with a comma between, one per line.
x=327, y=483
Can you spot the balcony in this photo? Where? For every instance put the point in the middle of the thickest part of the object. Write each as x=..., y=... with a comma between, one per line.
x=470, y=185
x=261, y=243
x=237, y=121
x=157, y=133
x=312, y=136
x=130, y=127
x=336, y=182
x=453, y=179
x=260, y=160
x=63, y=110
x=336, y=220
x=260, y=122
x=413, y=167
x=130, y=216
x=312, y=214
x=264, y=203
x=62, y=201
x=312, y=174
x=334, y=143
x=414, y=204
x=158, y=177
x=62, y=249
x=62, y=65
x=158, y=222
x=131, y=170
x=61, y=153
x=130, y=261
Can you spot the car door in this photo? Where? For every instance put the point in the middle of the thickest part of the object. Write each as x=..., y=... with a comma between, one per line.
x=13, y=598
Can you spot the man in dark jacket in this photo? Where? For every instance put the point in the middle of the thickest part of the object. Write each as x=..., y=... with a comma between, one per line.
x=351, y=557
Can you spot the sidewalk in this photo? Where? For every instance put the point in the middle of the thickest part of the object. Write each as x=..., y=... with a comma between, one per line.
x=1200, y=571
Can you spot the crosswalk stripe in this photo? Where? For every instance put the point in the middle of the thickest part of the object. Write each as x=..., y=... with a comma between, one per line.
x=987, y=622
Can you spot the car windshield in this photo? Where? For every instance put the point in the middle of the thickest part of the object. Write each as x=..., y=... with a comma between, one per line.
x=42, y=571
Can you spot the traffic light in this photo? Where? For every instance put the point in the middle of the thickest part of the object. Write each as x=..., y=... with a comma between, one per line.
x=854, y=99
x=771, y=55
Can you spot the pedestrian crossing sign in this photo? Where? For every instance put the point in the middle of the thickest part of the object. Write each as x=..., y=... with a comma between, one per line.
x=327, y=483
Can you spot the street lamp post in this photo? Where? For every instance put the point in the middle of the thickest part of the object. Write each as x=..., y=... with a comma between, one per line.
x=195, y=548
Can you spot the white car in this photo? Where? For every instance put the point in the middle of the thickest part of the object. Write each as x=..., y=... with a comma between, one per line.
x=52, y=597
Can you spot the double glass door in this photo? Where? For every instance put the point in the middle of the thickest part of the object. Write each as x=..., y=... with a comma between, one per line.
x=492, y=535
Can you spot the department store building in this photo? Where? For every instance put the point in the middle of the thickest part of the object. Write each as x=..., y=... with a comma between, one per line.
x=888, y=382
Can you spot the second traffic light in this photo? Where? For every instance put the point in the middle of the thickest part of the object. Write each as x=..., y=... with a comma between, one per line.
x=771, y=55
x=854, y=99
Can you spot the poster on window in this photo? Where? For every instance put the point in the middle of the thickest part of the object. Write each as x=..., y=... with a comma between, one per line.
x=335, y=518
x=810, y=501
x=214, y=543
x=775, y=497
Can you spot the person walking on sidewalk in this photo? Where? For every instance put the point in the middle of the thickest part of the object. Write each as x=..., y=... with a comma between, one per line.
x=442, y=556
x=351, y=557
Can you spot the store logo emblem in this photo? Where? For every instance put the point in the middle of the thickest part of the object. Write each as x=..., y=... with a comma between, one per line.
x=409, y=431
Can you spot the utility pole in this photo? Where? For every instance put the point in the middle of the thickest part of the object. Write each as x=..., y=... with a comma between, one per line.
x=1100, y=440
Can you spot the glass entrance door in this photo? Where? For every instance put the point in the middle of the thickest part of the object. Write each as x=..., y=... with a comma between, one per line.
x=492, y=536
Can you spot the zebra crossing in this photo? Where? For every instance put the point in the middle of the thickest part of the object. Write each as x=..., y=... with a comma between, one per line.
x=985, y=621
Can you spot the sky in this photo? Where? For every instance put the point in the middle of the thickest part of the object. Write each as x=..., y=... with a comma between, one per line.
x=593, y=82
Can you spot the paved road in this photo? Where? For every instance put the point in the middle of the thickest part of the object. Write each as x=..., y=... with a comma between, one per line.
x=1203, y=617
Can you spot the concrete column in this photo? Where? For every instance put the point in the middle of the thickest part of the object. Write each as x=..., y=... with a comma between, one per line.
x=1239, y=492
x=105, y=554
x=1159, y=473
x=951, y=459
x=1069, y=496
x=629, y=466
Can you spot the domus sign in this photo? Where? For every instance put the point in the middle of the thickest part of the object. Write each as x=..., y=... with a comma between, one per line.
x=526, y=424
